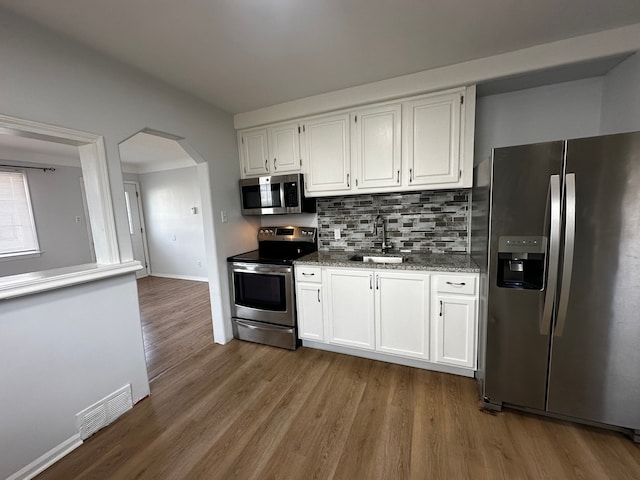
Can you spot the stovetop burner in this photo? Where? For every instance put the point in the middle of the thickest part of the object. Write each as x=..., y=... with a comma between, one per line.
x=280, y=246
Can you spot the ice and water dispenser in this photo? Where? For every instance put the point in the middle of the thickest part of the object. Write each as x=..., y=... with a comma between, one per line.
x=521, y=262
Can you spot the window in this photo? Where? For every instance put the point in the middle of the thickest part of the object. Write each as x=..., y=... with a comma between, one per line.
x=17, y=228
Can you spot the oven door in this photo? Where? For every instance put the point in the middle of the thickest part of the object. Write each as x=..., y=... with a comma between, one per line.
x=262, y=292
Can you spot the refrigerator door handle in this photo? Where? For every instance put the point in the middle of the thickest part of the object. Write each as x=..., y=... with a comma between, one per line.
x=554, y=254
x=569, y=246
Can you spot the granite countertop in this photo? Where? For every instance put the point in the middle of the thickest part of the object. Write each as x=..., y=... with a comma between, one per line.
x=440, y=262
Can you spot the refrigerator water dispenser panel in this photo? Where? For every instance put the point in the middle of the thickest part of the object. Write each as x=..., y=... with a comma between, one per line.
x=521, y=262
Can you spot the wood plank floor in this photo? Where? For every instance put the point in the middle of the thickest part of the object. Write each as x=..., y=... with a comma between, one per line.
x=247, y=411
x=176, y=320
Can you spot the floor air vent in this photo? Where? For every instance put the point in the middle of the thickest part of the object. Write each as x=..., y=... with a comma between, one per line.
x=102, y=413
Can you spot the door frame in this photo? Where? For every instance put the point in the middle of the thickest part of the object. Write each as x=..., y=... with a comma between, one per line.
x=145, y=246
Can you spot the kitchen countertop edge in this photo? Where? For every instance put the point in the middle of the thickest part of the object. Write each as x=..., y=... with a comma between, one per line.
x=433, y=262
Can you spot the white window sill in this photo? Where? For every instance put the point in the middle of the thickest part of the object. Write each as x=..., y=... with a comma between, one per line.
x=36, y=282
x=19, y=256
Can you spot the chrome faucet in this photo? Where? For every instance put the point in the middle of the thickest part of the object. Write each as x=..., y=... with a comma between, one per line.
x=380, y=222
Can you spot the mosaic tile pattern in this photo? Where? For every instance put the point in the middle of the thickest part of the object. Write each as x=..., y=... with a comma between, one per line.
x=427, y=221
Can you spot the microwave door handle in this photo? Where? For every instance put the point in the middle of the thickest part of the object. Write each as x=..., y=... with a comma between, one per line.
x=569, y=247
x=554, y=206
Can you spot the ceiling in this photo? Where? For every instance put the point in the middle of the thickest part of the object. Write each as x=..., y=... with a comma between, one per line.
x=241, y=55
x=142, y=153
x=14, y=148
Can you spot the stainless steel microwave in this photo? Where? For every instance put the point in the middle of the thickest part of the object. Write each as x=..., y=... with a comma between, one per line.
x=275, y=195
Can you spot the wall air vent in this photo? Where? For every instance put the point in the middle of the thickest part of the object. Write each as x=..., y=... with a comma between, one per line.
x=104, y=412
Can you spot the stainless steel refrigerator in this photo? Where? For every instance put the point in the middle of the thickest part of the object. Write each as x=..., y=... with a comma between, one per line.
x=560, y=294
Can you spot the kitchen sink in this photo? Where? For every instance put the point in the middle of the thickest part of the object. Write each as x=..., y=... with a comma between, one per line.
x=378, y=258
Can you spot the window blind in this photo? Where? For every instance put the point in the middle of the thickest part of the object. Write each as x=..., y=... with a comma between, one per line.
x=17, y=228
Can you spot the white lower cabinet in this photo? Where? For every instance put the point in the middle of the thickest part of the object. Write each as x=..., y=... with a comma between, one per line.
x=402, y=313
x=349, y=312
x=389, y=313
x=455, y=320
x=455, y=325
x=310, y=321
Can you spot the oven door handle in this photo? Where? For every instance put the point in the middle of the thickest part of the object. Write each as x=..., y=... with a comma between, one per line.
x=250, y=268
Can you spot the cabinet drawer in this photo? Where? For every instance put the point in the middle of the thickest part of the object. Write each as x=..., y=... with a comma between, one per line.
x=461, y=284
x=308, y=274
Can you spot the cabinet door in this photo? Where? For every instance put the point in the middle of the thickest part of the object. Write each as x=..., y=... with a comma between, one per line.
x=456, y=331
x=349, y=312
x=284, y=147
x=402, y=313
x=326, y=154
x=254, y=152
x=431, y=140
x=309, y=301
x=375, y=144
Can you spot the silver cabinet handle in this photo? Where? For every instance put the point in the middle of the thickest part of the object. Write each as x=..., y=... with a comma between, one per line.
x=370, y=282
x=266, y=165
x=275, y=165
x=377, y=282
x=410, y=175
x=460, y=284
x=554, y=253
x=318, y=295
x=348, y=183
x=440, y=307
x=569, y=246
x=308, y=274
x=398, y=180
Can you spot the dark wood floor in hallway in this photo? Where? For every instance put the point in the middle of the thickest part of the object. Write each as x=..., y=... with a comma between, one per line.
x=247, y=411
x=176, y=320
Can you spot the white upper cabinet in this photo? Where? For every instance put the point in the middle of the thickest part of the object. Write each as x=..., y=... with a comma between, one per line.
x=270, y=151
x=254, y=152
x=284, y=148
x=326, y=154
x=418, y=143
x=431, y=140
x=375, y=146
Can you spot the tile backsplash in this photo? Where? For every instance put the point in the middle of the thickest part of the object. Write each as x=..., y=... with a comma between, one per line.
x=427, y=221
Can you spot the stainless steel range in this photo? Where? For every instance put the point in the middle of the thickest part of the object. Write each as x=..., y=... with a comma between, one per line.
x=263, y=306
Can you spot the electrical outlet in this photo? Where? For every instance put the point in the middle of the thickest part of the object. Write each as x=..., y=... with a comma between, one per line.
x=78, y=219
x=223, y=216
x=199, y=264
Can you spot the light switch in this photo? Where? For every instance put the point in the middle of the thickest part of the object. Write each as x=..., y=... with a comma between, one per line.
x=223, y=216
x=336, y=233
x=194, y=210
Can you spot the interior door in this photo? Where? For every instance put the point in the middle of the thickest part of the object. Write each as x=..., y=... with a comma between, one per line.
x=136, y=229
x=595, y=357
x=517, y=349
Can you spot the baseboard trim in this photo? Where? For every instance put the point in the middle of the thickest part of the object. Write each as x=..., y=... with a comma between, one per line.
x=45, y=461
x=409, y=362
x=180, y=277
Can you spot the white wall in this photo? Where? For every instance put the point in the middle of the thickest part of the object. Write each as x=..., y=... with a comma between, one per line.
x=553, y=112
x=49, y=79
x=175, y=235
x=621, y=98
x=56, y=199
x=60, y=352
